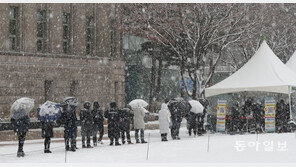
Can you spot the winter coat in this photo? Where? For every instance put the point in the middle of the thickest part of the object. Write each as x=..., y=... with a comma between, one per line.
x=20, y=126
x=47, y=129
x=68, y=118
x=113, y=117
x=258, y=112
x=281, y=110
x=87, y=121
x=192, y=120
x=126, y=119
x=139, y=114
x=164, y=119
x=175, y=112
x=98, y=118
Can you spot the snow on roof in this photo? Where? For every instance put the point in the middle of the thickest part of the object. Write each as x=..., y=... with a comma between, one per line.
x=292, y=62
x=263, y=72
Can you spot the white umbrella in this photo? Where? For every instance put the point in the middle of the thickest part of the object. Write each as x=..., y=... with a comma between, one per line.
x=138, y=103
x=196, y=106
x=21, y=107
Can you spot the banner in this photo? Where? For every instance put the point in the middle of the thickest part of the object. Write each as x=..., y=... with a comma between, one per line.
x=270, y=107
x=221, y=115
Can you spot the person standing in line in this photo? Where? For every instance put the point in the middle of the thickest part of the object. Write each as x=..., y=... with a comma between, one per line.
x=68, y=118
x=139, y=123
x=47, y=134
x=86, y=119
x=113, y=117
x=20, y=127
x=98, y=125
x=164, y=118
x=126, y=119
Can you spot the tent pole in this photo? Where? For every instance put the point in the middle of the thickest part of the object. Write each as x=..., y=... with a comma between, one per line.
x=290, y=103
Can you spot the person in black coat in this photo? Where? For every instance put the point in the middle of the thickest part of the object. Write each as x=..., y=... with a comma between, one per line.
x=126, y=119
x=258, y=117
x=20, y=127
x=176, y=117
x=68, y=118
x=98, y=125
x=47, y=133
x=234, y=122
x=192, y=123
x=280, y=116
x=113, y=117
x=86, y=119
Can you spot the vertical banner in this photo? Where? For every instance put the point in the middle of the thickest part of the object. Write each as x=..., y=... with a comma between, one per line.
x=270, y=107
x=221, y=115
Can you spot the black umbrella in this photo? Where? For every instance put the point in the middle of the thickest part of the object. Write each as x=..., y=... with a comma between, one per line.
x=179, y=106
x=72, y=101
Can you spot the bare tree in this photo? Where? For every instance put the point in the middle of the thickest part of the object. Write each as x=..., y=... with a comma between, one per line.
x=195, y=33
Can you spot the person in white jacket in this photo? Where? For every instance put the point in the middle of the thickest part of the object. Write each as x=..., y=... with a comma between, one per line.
x=164, y=116
x=139, y=124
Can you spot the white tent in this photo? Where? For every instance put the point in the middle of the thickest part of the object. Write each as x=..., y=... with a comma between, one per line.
x=292, y=62
x=263, y=72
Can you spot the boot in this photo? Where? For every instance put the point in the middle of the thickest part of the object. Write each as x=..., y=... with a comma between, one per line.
x=111, y=142
x=117, y=143
x=143, y=141
x=165, y=139
x=123, y=142
x=95, y=142
x=83, y=145
x=20, y=154
x=73, y=149
x=137, y=141
x=67, y=145
x=129, y=142
x=47, y=151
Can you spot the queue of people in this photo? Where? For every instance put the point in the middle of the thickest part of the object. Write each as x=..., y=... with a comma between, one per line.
x=92, y=122
x=250, y=117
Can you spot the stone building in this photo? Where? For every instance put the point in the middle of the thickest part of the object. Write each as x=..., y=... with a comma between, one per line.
x=51, y=51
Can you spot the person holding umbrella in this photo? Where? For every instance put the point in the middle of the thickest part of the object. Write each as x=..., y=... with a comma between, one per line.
x=47, y=113
x=139, y=114
x=20, y=121
x=178, y=108
x=68, y=118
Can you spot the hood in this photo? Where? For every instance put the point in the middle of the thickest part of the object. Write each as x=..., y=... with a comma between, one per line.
x=164, y=106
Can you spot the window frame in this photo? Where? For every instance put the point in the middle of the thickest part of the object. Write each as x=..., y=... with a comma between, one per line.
x=14, y=46
x=42, y=38
x=66, y=36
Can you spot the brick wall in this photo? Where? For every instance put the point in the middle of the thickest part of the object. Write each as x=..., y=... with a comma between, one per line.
x=24, y=76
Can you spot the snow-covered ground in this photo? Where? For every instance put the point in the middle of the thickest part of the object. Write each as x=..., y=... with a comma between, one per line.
x=188, y=149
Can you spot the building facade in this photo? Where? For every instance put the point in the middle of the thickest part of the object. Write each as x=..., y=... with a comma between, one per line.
x=51, y=51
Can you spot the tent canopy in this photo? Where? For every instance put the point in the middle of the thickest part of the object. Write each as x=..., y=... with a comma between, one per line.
x=292, y=62
x=263, y=72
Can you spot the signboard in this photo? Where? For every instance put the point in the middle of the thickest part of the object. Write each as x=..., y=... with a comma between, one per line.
x=221, y=115
x=270, y=107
